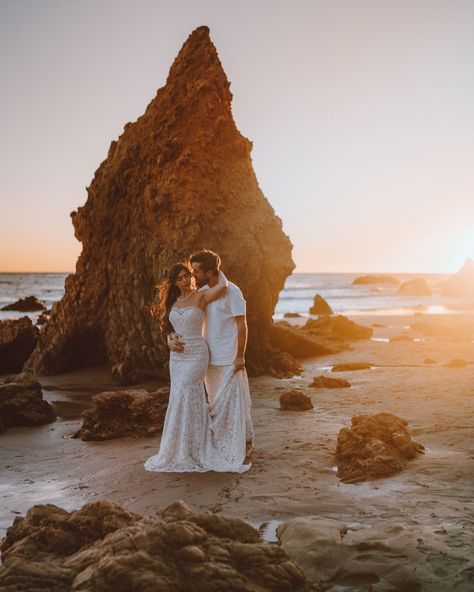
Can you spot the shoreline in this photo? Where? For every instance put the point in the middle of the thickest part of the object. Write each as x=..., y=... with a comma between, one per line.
x=292, y=470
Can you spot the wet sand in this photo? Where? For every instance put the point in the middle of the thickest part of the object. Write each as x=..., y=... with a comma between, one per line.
x=293, y=462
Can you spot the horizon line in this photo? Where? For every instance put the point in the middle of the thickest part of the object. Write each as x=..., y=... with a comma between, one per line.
x=293, y=273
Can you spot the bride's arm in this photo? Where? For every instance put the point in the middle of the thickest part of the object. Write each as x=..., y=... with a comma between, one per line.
x=217, y=291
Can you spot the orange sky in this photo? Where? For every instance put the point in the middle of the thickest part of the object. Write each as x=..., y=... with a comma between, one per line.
x=361, y=114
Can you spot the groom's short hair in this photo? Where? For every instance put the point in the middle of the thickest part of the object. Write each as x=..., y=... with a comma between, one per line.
x=209, y=260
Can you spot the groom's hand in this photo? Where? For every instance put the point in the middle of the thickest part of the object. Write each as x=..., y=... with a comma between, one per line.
x=174, y=342
x=239, y=363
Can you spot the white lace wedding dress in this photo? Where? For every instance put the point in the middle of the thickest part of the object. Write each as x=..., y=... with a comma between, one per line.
x=197, y=438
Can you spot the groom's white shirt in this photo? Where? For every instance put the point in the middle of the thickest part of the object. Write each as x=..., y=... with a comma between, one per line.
x=220, y=328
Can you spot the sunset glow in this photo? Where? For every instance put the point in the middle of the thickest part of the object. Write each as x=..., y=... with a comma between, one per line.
x=361, y=120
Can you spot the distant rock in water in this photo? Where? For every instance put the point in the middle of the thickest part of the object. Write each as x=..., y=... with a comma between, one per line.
x=178, y=179
x=320, y=306
x=105, y=547
x=416, y=287
x=292, y=315
x=376, y=279
x=375, y=446
x=461, y=283
x=22, y=404
x=28, y=304
x=17, y=341
x=116, y=414
x=401, y=337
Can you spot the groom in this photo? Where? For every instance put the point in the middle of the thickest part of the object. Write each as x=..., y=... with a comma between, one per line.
x=225, y=330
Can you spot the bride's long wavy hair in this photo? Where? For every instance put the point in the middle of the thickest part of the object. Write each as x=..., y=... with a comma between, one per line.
x=167, y=296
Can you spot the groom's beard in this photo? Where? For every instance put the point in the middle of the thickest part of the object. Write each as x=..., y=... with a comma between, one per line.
x=200, y=284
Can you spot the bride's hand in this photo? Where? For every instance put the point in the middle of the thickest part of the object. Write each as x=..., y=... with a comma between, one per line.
x=174, y=342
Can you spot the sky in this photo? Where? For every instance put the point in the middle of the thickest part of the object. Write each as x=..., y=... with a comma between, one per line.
x=361, y=115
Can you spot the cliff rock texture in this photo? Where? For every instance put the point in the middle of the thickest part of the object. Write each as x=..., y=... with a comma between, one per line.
x=178, y=179
x=104, y=547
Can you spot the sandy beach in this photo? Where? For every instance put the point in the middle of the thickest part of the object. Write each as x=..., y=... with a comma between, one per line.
x=293, y=471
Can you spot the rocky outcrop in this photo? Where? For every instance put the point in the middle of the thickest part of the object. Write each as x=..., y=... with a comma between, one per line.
x=323, y=381
x=116, y=414
x=295, y=401
x=178, y=179
x=376, y=279
x=104, y=547
x=338, y=328
x=292, y=315
x=461, y=283
x=416, y=287
x=27, y=304
x=22, y=404
x=375, y=446
x=17, y=340
x=293, y=341
x=320, y=306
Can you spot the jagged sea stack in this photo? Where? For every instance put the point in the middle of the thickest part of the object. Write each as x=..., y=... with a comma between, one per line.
x=178, y=179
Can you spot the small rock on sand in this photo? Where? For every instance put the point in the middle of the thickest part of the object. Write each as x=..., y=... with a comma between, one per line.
x=295, y=401
x=323, y=381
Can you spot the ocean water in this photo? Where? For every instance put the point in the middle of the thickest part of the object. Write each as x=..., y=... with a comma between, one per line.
x=297, y=295
x=372, y=299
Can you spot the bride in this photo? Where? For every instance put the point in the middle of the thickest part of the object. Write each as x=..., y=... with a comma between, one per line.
x=196, y=438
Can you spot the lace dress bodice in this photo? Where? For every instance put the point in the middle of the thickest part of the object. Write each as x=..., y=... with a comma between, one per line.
x=187, y=321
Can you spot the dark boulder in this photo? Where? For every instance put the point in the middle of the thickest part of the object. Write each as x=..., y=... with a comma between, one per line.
x=22, y=404
x=18, y=339
x=116, y=414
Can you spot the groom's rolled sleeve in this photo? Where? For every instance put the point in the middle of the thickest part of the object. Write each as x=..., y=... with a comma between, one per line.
x=237, y=302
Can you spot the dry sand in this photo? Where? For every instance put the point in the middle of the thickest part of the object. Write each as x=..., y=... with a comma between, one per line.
x=293, y=462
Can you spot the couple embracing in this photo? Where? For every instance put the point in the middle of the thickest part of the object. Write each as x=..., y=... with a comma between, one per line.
x=202, y=315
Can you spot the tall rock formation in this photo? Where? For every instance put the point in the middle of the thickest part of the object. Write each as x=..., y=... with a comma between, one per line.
x=461, y=283
x=178, y=179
